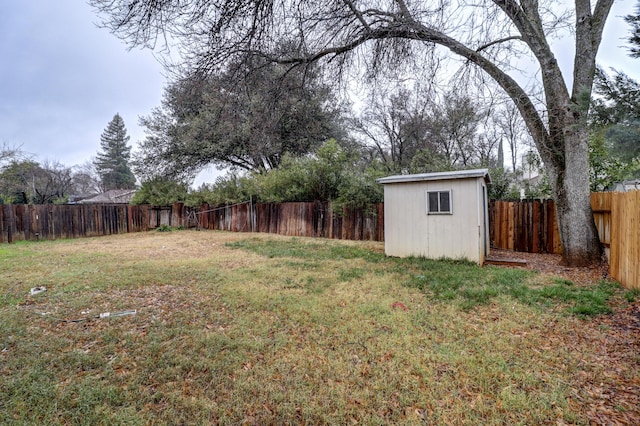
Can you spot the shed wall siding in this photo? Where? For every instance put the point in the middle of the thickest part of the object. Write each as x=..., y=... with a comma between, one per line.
x=410, y=231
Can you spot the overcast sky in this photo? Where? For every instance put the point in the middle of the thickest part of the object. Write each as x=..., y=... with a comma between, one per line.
x=62, y=79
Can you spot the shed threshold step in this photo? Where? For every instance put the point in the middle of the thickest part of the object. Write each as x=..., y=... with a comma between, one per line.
x=504, y=261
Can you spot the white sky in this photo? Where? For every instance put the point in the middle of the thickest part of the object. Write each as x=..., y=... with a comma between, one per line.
x=62, y=79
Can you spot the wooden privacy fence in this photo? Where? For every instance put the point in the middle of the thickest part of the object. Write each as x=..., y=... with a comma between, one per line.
x=33, y=222
x=617, y=216
x=297, y=219
x=48, y=221
x=531, y=226
x=528, y=226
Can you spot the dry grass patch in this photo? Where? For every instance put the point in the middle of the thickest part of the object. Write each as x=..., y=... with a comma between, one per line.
x=237, y=328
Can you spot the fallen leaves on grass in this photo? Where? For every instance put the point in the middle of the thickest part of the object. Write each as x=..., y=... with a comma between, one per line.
x=271, y=353
x=606, y=385
x=399, y=305
x=609, y=343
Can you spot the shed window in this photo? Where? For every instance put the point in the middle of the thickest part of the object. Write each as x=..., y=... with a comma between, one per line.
x=439, y=202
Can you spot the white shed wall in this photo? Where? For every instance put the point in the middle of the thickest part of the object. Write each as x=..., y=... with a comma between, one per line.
x=410, y=231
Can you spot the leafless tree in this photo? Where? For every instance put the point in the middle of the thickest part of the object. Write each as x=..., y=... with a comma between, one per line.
x=53, y=184
x=86, y=180
x=512, y=129
x=453, y=127
x=26, y=181
x=9, y=153
x=492, y=35
x=395, y=125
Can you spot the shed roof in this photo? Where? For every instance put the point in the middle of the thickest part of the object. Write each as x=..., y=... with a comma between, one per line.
x=458, y=174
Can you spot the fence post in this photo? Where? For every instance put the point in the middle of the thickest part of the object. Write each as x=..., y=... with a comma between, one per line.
x=177, y=213
x=8, y=222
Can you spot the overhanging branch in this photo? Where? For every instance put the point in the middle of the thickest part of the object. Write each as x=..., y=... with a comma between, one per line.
x=499, y=41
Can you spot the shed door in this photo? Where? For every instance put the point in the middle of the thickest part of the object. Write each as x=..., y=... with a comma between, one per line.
x=485, y=234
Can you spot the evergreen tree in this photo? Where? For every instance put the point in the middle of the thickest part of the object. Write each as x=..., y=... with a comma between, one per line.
x=634, y=21
x=112, y=162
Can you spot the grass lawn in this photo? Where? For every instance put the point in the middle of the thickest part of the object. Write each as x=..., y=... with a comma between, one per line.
x=261, y=329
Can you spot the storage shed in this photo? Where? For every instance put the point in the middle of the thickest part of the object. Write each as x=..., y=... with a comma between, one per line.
x=437, y=215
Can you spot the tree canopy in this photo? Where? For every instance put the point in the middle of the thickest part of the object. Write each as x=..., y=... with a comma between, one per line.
x=248, y=123
x=161, y=192
x=616, y=100
x=333, y=173
x=28, y=182
x=615, y=127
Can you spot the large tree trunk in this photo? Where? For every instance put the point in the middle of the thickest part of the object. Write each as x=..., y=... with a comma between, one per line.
x=570, y=184
x=580, y=239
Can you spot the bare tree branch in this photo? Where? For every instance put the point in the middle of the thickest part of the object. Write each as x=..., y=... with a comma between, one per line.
x=499, y=41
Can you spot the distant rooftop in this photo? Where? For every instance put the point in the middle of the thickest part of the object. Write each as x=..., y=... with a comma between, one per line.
x=114, y=196
x=626, y=185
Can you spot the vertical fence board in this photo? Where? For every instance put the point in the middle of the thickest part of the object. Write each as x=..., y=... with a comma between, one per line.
x=634, y=282
x=7, y=224
x=3, y=224
x=536, y=237
x=616, y=235
x=550, y=218
x=601, y=206
x=504, y=225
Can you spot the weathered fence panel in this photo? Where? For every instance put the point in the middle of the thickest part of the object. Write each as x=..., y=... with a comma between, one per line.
x=48, y=222
x=29, y=222
x=624, y=259
x=527, y=226
x=601, y=206
x=296, y=219
x=531, y=226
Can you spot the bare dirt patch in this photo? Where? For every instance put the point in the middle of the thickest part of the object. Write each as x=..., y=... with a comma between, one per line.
x=154, y=245
x=551, y=264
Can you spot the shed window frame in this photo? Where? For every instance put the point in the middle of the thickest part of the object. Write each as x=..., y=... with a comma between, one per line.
x=439, y=208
